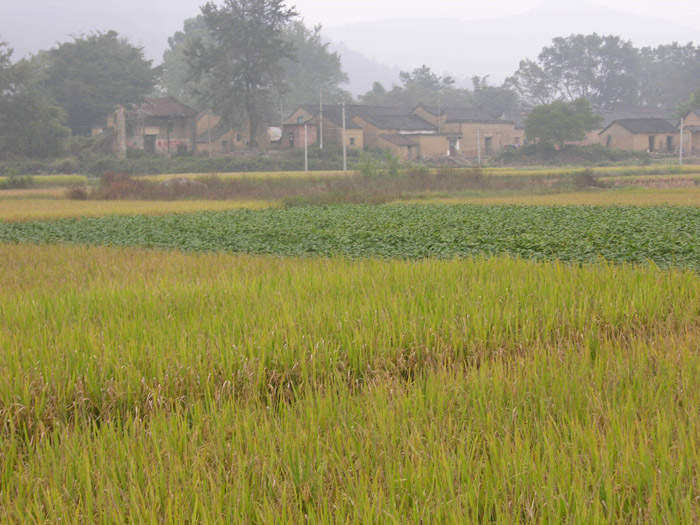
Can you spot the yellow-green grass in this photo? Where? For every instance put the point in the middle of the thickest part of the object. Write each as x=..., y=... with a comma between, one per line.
x=250, y=175
x=140, y=386
x=42, y=208
x=52, y=181
x=619, y=197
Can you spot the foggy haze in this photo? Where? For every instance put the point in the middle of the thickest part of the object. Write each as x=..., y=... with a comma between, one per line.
x=389, y=32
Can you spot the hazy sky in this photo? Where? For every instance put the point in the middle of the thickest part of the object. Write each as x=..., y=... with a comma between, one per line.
x=31, y=25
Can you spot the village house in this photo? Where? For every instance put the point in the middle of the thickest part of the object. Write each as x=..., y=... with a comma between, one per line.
x=691, y=133
x=164, y=126
x=410, y=133
x=641, y=134
x=216, y=139
x=472, y=133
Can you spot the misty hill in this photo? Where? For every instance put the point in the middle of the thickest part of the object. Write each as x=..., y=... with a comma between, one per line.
x=490, y=47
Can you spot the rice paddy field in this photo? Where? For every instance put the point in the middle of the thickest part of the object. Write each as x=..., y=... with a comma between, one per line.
x=375, y=364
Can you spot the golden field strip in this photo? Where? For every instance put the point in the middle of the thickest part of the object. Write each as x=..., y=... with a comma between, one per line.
x=30, y=208
x=38, y=209
x=143, y=386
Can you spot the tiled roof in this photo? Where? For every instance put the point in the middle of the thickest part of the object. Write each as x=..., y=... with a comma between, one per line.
x=455, y=115
x=334, y=114
x=645, y=125
x=165, y=107
x=216, y=132
x=400, y=122
x=611, y=115
x=471, y=115
x=399, y=140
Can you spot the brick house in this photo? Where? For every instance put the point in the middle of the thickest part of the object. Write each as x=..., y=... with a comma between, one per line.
x=691, y=133
x=641, y=134
x=164, y=126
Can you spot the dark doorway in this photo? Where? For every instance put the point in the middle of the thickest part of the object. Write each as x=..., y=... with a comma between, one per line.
x=652, y=143
x=669, y=143
x=291, y=140
x=489, y=145
x=453, y=147
x=149, y=143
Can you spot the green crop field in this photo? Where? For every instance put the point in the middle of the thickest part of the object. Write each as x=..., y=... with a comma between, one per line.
x=667, y=235
x=350, y=363
x=150, y=386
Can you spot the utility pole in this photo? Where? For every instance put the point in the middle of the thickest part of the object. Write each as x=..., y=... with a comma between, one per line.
x=306, y=147
x=478, y=145
x=682, y=139
x=320, y=122
x=345, y=143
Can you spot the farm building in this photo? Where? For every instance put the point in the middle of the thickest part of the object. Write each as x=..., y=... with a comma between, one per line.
x=691, y=133
x=410, y=133
x=164, y=126
x=641, y=134
x=216, y=138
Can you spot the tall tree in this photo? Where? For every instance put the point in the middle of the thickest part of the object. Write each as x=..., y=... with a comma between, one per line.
x=669, y=74
x=313, y=67
x=30, y=121
x=242, y=67
x=93, y=74
x=420, y=85
x=177, y=78
x=603, y=70
x=560, y=122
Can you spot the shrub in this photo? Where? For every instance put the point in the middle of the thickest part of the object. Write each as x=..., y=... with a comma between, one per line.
x=16, y=183
x=77, y=193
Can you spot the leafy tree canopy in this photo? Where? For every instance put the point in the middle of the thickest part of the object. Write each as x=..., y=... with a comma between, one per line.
x=560, y=122
x=603, y=70
x=241, y=67
x=609, y=73
x=31, y=124
x=312, y=67
x=423, y=86
x=93, y=74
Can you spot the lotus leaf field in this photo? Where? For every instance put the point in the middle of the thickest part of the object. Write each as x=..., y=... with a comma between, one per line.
x=666, y=236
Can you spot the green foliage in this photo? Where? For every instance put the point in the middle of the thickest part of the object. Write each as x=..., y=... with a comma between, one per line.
x=15, y=183
x=31, y=124
x=599, y=69
x=669, y=74
x=93, y=74
x=594, y=154
x=609, y=73
x=665, y=235
x=560, y=122
x=241, y=67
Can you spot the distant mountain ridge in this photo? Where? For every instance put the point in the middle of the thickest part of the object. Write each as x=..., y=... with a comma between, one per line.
x=492, y=47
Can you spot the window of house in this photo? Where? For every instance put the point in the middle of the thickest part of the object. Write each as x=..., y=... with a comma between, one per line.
x=170, y=128
x=300, y=120
x=352, y=141
x=238, y=137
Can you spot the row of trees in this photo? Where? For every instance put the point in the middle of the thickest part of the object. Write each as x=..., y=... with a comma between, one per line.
x=609, y=73
x=252, y=60
x=245, y=60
